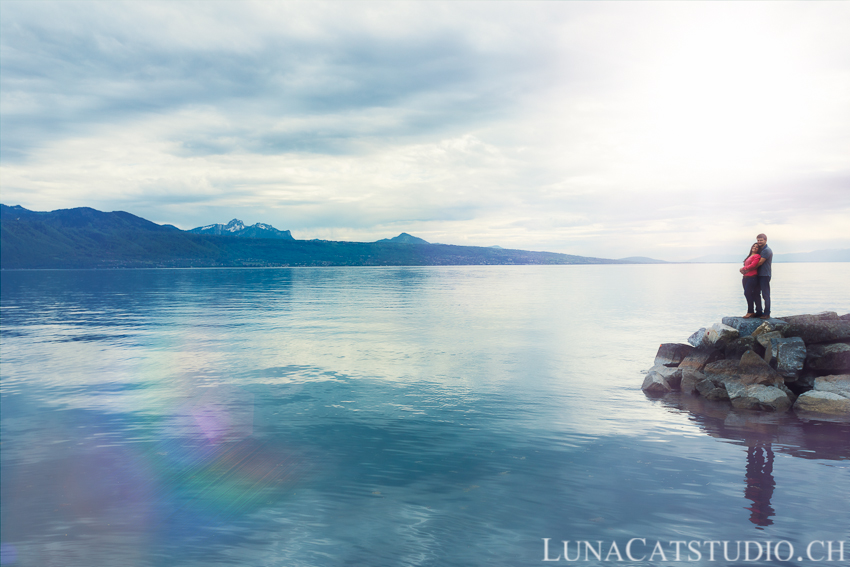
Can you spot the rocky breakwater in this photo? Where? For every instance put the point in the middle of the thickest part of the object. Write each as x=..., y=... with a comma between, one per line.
x=799, y=363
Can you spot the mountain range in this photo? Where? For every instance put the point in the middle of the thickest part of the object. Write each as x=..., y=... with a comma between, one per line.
x=88, y=238
x=237, y=228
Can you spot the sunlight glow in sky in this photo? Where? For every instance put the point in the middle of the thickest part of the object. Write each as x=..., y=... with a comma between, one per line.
x=669, y=130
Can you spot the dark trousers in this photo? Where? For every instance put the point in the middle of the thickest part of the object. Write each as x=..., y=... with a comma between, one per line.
x=764, y=287
x=751, y=292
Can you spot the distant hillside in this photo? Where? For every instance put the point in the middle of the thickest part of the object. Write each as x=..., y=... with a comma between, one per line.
x=237, y=228
x=404, y=238
x=86, y=238
x=83, y=217
x=642, y=260
x=816, y=256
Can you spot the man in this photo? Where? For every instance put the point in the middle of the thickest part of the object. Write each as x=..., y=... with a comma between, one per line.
x=764, y=276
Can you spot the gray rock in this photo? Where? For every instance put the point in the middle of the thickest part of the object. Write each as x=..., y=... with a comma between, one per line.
x=718, y=394
x=822, y=316
x=822, y=402
x=671, y=354
x=699, y=338
x=675, y=379
x=671, y=374
x=665, y=371
x=787, y=355
x=690, y=379
x=770, y=326
x=845, y=317
x=704, y=386
x=711, y=391
x=837, y=384
x=739, y=346
x=719, y=335
x=757, y=397
x=754, y=370
x=747, y=326
x=698, y=358
x=655, y=385
x=764, y=339
x=833, y=357
x=820, y=331
x=722, y=368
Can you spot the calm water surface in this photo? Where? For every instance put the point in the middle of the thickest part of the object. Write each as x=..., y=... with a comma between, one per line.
x=391, y=416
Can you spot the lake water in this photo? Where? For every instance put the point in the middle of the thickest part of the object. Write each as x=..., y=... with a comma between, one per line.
x=395, y=416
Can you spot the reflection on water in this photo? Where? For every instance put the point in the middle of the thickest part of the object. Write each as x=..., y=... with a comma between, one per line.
x=800, y=438
x=378, y=417
x=760, y=482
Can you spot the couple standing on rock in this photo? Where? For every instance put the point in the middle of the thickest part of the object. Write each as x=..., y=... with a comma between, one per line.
x=756, y=280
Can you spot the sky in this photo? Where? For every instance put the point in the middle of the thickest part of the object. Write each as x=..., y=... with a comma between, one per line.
x=611, y=129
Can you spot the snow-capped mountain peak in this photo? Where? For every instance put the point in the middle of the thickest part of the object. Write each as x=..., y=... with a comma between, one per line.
x=237, y=228
x=234, y=226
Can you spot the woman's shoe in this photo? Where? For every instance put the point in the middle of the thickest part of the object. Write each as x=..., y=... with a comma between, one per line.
x=749, y=315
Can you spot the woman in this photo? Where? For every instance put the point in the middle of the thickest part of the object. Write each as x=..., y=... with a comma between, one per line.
x=750, y=281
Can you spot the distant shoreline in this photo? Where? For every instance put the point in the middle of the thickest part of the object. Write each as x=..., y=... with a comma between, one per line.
x=129, y=268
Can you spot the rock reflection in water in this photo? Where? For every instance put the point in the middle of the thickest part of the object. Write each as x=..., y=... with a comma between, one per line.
x=762, y=433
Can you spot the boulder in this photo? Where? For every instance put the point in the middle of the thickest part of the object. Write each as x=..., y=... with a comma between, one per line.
x=787, y=355
x=820, y=331
x=675, y=379
x=699, y=338
x=764, y=339
x=704, y=386
x=672, y=375
x=757, y=397
x=747, y=326
x=655, y=385
x=834, y=357
x=836, y=384
x=822, y=402
x=671, y=354
x=739, y=346
x=711, y=391
x=770, y=326
x=845, y=317
x=822, y=316
x=719, y=335
x=690, y=379
x=718, y=394
x=698, y=358
x=754, y=370
x=665, y=371
x=831, y=395
x=718, y=368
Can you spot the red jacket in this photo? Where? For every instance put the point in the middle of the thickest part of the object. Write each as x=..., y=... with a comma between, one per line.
x=751, y=265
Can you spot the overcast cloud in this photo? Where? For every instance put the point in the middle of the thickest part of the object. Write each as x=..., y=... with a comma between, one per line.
x=668, y=130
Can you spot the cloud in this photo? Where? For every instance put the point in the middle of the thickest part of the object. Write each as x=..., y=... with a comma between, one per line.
x=651, y=129
x=69, y=67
